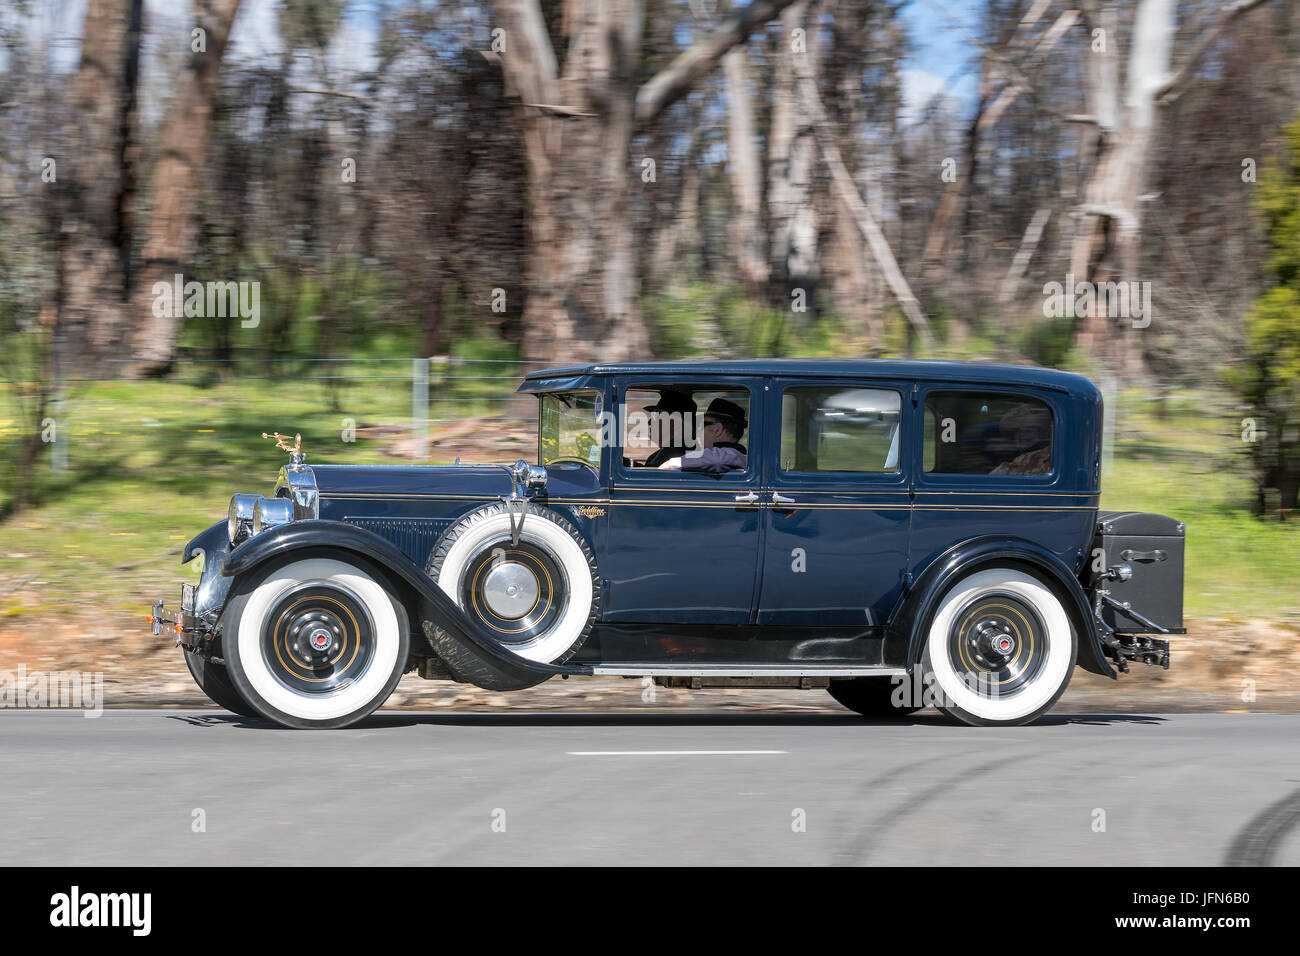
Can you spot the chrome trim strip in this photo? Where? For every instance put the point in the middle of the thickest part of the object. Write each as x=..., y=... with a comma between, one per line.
x=744, y=670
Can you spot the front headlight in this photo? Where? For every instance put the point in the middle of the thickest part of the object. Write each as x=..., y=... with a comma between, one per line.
x=271, y=512
x=239, y=520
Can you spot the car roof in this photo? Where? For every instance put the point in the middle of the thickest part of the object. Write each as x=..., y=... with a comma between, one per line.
x=910, y=369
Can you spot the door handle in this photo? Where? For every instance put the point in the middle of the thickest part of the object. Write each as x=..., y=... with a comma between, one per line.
x=780, y=499
x=1128, y=555
x=747, y=499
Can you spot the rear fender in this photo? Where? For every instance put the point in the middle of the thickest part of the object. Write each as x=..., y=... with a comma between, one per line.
x=907, y=633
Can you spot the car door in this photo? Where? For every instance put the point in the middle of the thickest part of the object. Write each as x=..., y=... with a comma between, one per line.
x=836, y=531
x=682, y=547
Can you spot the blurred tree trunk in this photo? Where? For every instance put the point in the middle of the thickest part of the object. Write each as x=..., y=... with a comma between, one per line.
x=99, y=173
x=174, y=191
x=577, y=130
x=577, y=125
x=747, y=237
x=846, y=191
x=677, y=241
x=1107, y=244
x=791, y=161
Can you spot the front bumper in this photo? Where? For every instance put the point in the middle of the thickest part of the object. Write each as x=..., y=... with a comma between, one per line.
x=178, y=620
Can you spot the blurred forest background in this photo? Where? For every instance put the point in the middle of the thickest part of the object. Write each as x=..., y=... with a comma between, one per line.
x=525, y=182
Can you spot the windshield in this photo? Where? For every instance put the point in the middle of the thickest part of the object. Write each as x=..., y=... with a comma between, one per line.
x=569, y=427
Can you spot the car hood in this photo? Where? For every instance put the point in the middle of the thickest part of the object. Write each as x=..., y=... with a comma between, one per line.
x=481, y=481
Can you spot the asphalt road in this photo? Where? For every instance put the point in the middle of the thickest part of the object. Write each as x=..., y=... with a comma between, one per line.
x=132, y=787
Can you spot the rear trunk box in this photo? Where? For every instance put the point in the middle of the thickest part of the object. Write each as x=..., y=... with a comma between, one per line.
x=1152, y=545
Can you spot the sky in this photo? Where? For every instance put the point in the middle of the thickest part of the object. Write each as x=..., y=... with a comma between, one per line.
x=940, y=62
x=943, y=56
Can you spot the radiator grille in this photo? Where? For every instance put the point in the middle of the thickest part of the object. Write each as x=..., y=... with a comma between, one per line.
x=414, y=536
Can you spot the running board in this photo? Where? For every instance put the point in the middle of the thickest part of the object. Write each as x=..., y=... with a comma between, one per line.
x=744, y=670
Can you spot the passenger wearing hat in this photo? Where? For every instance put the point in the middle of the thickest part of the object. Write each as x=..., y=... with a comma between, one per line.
x=724, y=424
x=672, y=401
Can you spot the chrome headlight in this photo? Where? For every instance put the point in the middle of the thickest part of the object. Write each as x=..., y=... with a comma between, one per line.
x=270, y=513
x=239, y=520
x=526, y=475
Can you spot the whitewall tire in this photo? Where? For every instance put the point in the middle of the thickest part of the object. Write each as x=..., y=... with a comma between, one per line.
x=315, y=642
x=1000, y=648
x=537, y=597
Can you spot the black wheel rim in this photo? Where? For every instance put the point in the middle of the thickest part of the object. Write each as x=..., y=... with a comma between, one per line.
x=997, y=644
x=514, y=593
x=318, y=639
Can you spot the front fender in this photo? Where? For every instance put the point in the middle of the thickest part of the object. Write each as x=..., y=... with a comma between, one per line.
x=212, y=544
x=321, y=535
x=905, y=639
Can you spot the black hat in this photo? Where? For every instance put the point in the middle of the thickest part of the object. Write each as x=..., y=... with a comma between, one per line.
x=671, y=400
x=733, y=413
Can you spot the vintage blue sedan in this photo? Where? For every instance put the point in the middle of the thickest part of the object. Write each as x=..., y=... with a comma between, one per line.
x=901, y=534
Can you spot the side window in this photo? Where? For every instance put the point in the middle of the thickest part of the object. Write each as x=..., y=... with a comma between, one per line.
x=663, y=424
x=985, y=433
x=840, y=429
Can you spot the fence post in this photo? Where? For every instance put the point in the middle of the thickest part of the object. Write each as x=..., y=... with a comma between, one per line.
x=419, y=408
x=58, y=408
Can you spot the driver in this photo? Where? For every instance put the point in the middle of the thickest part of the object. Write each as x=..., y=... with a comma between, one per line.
x=724, y=424
x=672, y=426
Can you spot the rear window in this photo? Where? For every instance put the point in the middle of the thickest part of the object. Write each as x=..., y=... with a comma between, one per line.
x=985, y=433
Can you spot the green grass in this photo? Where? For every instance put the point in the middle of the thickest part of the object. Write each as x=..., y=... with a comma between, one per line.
x=1190, y=464
x=151, y=464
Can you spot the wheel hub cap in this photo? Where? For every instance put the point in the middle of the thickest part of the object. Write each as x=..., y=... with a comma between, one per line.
x=992, y=642
x=997, y=644
x=315, y=636
x=510, y=590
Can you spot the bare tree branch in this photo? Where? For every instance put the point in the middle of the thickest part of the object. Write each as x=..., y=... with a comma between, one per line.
x=559, y=109
x=346, y=94
x=1174, y=86
x=1036, y=59
x=848, y=193
x=1020, y=262
x=529, y=58
x=677, y=78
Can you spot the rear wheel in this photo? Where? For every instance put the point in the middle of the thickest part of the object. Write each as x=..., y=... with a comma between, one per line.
x=871, y=696
x=316, y=642
x=1001, y=649
x=214, y=680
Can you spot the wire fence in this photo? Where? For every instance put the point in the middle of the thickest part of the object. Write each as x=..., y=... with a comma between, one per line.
x=232, y=400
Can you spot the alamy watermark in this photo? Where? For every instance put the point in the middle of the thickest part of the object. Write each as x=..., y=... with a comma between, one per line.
x=53, y=689
x=1117, y=300
x=208, y=300
x=665, y=429
x=75, y=908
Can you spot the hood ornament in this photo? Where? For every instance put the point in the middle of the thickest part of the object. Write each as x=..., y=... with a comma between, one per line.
x=296, y=456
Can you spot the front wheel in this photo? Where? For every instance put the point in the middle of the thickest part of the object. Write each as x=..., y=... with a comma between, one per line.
x=1001, y=649
x=317, y=642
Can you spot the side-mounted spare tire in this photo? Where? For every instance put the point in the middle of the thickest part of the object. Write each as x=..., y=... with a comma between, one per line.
x=537, y=597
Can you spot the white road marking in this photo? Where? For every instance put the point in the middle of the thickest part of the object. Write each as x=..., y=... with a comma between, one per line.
x=667, y=753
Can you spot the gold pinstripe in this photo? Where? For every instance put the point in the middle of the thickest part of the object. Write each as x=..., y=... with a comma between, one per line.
x=798, y=505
